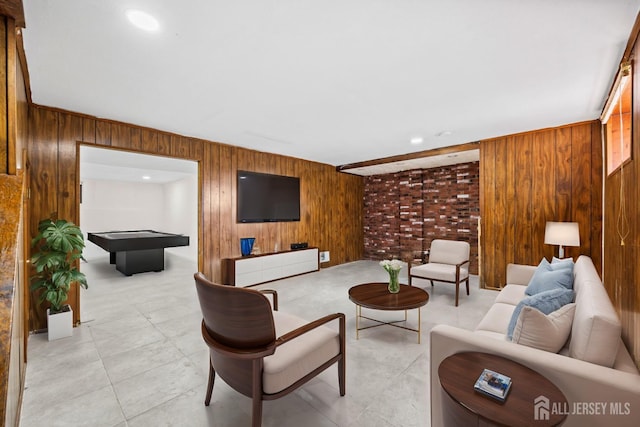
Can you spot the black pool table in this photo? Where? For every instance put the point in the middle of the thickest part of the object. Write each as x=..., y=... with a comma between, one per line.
x=137, y=251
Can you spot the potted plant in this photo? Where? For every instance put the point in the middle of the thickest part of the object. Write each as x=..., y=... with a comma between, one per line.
x=58, y=246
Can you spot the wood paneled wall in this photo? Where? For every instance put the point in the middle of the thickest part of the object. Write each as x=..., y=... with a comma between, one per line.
x=331, y=202
x=531, y=178
x=13, y=267
x=622, y=262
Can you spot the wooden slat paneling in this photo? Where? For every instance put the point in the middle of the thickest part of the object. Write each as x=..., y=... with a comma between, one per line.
x=596, y=192
x=522, y=198
x=621, y=258
x=331, y=202
x=43, y=168
x=531, y=178
x=69, y=132
x=149, y=141
x=180, y=147
x=88, y=130
x=502, y=210
x=563, y=172
x=120, y=136
x=584, y=178
x=103, y=132
x=489, y=222
x=164, y=144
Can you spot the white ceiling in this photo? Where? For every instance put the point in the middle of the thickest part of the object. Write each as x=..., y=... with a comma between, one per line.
x=330, y=81
x=105, y=164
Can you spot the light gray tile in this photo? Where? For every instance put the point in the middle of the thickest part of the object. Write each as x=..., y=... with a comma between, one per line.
x=83, y=379
x=156, y=386
x=109, y=343
x=96, y=409
x=184, y=324
x=49, y=366
x=188, y=409
x=130, y=363
x=325, y=398
x=140, y=350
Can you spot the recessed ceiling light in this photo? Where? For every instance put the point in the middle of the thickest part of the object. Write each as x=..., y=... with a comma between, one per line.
x=146, y=177
x=444, y=133
x=143, y=20
x=416, y=140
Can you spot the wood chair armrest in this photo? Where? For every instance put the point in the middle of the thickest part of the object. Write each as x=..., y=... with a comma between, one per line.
x=252, y=353
x=311, y=326
x=462, y=263
x=274, y=296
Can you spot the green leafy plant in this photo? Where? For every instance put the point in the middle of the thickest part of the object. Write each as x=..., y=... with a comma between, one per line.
x=58, y=245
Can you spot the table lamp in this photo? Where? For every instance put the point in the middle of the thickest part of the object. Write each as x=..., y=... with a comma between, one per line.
x=562, y=234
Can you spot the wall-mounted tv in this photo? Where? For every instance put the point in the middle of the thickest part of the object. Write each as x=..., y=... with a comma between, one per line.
x=268, y=198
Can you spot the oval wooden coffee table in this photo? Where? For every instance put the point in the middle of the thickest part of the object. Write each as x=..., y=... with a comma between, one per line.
x=376, y=296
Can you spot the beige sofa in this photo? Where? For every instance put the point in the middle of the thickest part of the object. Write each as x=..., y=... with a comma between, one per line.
x=594, y=366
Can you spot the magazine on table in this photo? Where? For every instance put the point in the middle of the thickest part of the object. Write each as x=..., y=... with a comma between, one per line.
x=493, y=384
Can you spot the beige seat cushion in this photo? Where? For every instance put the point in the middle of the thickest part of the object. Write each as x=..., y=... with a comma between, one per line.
x=435, y=271
x=295, y=359
x=511, y=294
x=497, y=318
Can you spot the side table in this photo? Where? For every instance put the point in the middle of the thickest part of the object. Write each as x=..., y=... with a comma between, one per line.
x=529, y=402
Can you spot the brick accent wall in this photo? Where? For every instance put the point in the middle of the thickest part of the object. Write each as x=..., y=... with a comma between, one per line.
x=405, y=211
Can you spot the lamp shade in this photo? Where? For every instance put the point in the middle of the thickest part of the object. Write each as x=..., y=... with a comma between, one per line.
x=562, y=233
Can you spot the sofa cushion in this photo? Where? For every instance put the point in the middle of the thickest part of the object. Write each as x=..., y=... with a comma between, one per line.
x=596, y=327
x=497, y=318
x=547, y=302
x=545, y=332
x=511, y=294
x=550, y=276
x=563, y=262
x=300, y=356
x=436, y=271
x=519, y=274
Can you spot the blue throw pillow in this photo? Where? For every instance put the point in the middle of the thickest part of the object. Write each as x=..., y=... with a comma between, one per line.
x=550, y=276
x=547, y=302
x=557, y=263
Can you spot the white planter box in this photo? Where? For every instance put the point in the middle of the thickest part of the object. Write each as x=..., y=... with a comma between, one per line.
x=60, y=325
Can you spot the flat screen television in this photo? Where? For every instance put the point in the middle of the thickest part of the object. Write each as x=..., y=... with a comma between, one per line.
x=268, y=198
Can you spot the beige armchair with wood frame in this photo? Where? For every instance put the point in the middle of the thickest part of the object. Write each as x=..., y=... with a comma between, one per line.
x=448, y=263
x=261, y=352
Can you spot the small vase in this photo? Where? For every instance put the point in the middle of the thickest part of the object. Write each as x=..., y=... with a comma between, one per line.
x=394, y=286
x=246, y=245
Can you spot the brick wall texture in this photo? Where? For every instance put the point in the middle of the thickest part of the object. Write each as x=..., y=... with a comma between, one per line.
x=405, y=211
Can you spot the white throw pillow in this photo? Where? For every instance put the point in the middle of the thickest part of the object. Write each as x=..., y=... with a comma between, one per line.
x=545, y=332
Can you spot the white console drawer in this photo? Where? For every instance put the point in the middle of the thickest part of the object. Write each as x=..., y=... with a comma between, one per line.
x=257, y=269
x=248, y=278
x=248, y=265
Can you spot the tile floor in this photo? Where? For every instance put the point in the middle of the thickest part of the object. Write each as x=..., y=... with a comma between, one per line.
x=138, y=358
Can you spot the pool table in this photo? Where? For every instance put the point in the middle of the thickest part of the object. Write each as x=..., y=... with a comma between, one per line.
x=137, y=251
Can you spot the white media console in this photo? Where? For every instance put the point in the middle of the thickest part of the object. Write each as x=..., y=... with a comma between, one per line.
x=256, y=269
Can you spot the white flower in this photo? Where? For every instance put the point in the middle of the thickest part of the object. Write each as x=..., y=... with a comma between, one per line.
x=391, y=265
